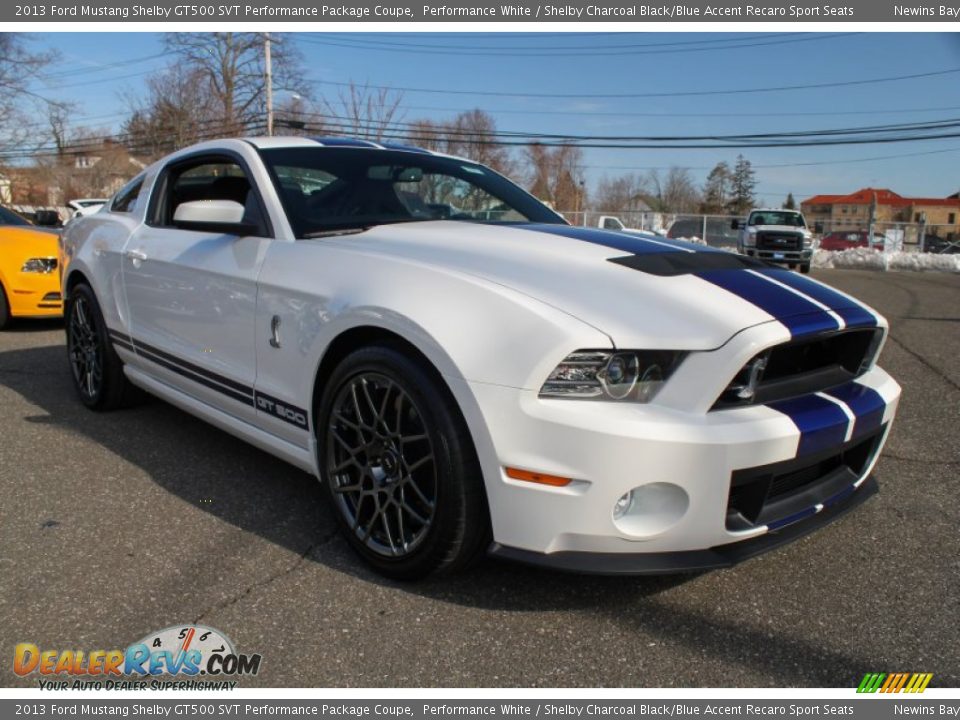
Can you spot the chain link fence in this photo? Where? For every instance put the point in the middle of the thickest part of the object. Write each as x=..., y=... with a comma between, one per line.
x=717, y=230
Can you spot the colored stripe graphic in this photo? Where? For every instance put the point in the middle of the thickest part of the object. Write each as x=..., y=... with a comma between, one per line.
x=852, y=312
x=800, y=315
x=866, y=404
x=822, y=424
x=625, y=242
x=243, y=394
x=894, y=682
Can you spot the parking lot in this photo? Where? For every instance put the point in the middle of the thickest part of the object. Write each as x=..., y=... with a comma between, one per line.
x=115, y=525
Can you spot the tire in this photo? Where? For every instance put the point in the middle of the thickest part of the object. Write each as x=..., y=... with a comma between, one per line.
x=792, y=266
x=4, y=309
x=399, y=467
x=805, y=268
x=96, y=369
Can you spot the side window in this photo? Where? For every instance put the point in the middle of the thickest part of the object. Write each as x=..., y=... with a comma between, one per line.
x=207, y=179
x=126, y=199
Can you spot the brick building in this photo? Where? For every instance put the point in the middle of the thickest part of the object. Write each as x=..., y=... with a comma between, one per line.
x=852, y=212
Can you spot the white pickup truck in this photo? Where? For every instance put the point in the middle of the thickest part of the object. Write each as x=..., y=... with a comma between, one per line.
x=612, y=222
x=776, y=235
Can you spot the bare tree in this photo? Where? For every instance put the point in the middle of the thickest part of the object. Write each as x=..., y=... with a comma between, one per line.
x=627, y=193
x=556, y=175
x=473, y=134
x=176, y=111
x=364, y=112
x=675, y=192
x=231, y=67
x=19, y=68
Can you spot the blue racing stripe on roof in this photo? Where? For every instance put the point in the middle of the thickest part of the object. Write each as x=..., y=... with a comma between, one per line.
x=344, y=142
x=407, y=148
x=625, y=242
x=822, y=424
x=799, y=315
x=866, y=404
x=853, y=313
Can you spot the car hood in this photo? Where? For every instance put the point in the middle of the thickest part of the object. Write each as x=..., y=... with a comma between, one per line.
x=780, y=228
x=641, y=292
x=17, y=241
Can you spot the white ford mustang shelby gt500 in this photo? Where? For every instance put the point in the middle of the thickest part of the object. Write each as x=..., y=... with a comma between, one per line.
x=463, y=370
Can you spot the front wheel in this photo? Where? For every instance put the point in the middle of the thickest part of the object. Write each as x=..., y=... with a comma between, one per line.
x=96, y=369
x=399, y=466
x=805, y=268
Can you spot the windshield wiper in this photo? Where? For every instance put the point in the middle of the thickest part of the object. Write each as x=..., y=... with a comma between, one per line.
x=336, y=231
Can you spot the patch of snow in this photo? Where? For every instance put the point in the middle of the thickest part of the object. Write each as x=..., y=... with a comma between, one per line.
x=867, y=259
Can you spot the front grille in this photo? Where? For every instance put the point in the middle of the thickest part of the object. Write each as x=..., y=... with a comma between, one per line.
x=801, y=367
x=766, y=494
x=779, y=241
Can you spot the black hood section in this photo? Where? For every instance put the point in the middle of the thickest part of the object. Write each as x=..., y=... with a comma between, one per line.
x=669, y=264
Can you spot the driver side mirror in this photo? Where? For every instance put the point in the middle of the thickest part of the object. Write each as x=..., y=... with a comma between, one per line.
x=224, y=216
x=818, y=228
x=735, y=224
x=46, y=218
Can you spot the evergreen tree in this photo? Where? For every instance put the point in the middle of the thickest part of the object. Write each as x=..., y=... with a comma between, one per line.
x=743, y=185
x=790, y=204
x=716, y=191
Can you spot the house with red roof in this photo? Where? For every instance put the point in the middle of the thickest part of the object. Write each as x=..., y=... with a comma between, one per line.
x=853, y=211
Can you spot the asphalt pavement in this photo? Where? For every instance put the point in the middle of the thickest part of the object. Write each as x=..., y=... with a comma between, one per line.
x=115, y=525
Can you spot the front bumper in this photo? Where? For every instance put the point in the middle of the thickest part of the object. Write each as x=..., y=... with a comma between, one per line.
x=610, y=449
x=35, y=295
x=664, y=563
x=781, y=256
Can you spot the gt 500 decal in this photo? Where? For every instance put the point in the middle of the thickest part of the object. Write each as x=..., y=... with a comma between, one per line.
x=278, y=408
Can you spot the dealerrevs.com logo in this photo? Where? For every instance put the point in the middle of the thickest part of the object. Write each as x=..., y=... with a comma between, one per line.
x=180, y=657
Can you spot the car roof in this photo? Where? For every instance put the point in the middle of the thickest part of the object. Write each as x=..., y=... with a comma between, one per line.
x=294, y=141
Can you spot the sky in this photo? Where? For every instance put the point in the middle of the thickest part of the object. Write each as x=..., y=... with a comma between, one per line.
x=98, y=71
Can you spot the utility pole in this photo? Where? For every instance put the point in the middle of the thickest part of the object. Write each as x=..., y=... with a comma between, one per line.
x=268, y=65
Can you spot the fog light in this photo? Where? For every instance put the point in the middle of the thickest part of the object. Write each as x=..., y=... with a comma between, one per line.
x=622, y=505
x=650, y=509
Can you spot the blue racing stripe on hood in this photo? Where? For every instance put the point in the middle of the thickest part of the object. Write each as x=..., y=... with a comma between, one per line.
x=822, y=424
x=625, y=242
x=866, y=403
x=853, y=313
x=799, y=315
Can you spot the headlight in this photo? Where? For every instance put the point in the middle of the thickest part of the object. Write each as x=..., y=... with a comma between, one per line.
x=39, y=265
x=631, y=375
x=750, y=239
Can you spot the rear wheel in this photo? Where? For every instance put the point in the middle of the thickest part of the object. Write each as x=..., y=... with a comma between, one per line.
x=399, y=466
x=96, y=369
x=4, y=309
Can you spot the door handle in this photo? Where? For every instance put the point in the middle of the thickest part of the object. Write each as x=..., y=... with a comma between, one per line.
x=136, y=257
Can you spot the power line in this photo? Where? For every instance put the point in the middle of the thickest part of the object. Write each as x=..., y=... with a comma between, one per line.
x=784, y=165
x=559, y=51
x=681, y=93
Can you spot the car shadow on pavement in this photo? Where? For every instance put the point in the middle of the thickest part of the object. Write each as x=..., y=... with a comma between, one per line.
x=258, y=493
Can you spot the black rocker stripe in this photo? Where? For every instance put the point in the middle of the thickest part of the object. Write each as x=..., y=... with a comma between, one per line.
x=236, y=391
x=141, y=346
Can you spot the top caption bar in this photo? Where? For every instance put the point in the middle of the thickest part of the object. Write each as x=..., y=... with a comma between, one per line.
x=398, y=10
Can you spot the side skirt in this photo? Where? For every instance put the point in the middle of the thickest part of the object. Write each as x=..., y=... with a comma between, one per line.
x=302, y=458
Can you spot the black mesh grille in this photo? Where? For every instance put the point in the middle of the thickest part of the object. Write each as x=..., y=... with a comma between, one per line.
x=779, y=241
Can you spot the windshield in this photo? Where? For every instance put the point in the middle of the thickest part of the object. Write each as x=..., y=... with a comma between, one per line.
x=775, y=217
x=329, y=189
x=9, y=217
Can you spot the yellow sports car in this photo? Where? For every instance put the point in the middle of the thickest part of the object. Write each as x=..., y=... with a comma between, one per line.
x=29, y=281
